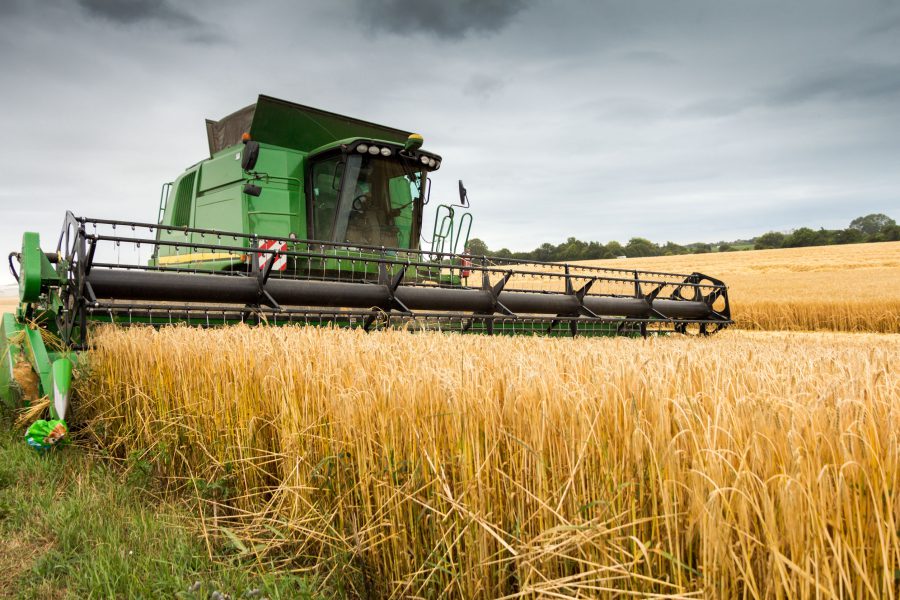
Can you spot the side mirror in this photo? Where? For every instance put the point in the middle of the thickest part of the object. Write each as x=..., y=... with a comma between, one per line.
x=252, y=190
x=463, y=195
x=249, y=155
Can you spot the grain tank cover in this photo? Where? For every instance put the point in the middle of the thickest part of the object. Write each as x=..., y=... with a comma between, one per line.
x=289, y=125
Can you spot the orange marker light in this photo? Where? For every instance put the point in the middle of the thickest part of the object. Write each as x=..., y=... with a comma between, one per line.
x=245, y=137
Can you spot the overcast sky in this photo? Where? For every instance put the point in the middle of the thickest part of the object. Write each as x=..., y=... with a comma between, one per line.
x=672, y=120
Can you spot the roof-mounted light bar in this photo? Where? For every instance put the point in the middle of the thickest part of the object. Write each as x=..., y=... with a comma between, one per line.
x=427, y=160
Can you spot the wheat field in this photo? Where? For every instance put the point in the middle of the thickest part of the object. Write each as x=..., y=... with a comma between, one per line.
x=841, y=288
x=422, y=465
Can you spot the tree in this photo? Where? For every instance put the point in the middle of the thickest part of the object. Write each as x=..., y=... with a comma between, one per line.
x=571, y=249
x=477, y=247
x=849, y=236
x=766, y=241
x=615, y=249
x=701, y=248
x=641, y=247
x=545, y=252
x=891, y=233
x=726, y=247
x=671, y=249
x=872, y=224
x=802, y=238
x=597, y=250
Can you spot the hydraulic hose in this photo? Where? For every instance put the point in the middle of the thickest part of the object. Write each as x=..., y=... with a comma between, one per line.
x=12, y=267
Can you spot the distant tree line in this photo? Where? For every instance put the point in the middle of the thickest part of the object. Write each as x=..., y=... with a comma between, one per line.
x=870, y=228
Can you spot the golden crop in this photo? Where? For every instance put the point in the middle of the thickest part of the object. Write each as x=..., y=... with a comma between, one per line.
x=422, y=465
x=842, y=288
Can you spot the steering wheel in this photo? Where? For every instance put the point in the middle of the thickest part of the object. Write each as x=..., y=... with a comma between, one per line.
x=359, y=203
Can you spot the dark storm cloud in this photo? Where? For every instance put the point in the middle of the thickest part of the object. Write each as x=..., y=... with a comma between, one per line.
x=129, y=12
x=446, y=19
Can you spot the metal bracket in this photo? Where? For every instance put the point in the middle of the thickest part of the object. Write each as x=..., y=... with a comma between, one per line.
x=89, y=292
x=496, y=305
x=89, y=260
x=265, y=298
x=392, y=283
x=393, y=303
x=580, y=294
x=495, y=293
x=650, y=298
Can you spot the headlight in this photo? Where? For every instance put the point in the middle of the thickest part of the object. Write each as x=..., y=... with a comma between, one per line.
x=373, y=150
x=424, y=160
x=385, y=151
x=437, y=164
x=362, y=148
x=431, y=162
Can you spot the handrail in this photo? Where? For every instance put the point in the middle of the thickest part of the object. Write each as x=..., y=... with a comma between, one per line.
x=164, y=200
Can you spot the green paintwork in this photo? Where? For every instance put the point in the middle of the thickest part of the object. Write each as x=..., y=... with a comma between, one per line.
x=37, y=354
x=22, y=336
x=35, y=268
x=210, y=194
x=288, y=125
x=449, y=232
x=10, y=352
x=21, y=341
x=61, y=377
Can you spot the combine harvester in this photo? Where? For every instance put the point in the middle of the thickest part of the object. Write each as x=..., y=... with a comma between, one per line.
x=305, y=216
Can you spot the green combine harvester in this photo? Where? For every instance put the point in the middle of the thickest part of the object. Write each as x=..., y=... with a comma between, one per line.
x=305, y=216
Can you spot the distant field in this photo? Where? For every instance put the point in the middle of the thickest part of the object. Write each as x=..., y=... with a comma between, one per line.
x=841, y=288
x=7, y=304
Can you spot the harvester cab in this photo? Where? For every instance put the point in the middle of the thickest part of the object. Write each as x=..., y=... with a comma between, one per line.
x=279, y=169
x=309, y=217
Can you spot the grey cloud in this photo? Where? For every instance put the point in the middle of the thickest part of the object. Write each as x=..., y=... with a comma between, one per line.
x=859, y=82
x=445, y=19
x=712, y=108
x=10, y=7
x=649, y=57
x=883, y=26
x=848, y=82
x=130, y=12
x=483, y=86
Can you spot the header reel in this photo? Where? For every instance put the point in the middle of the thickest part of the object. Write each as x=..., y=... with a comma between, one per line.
x=106, y=271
